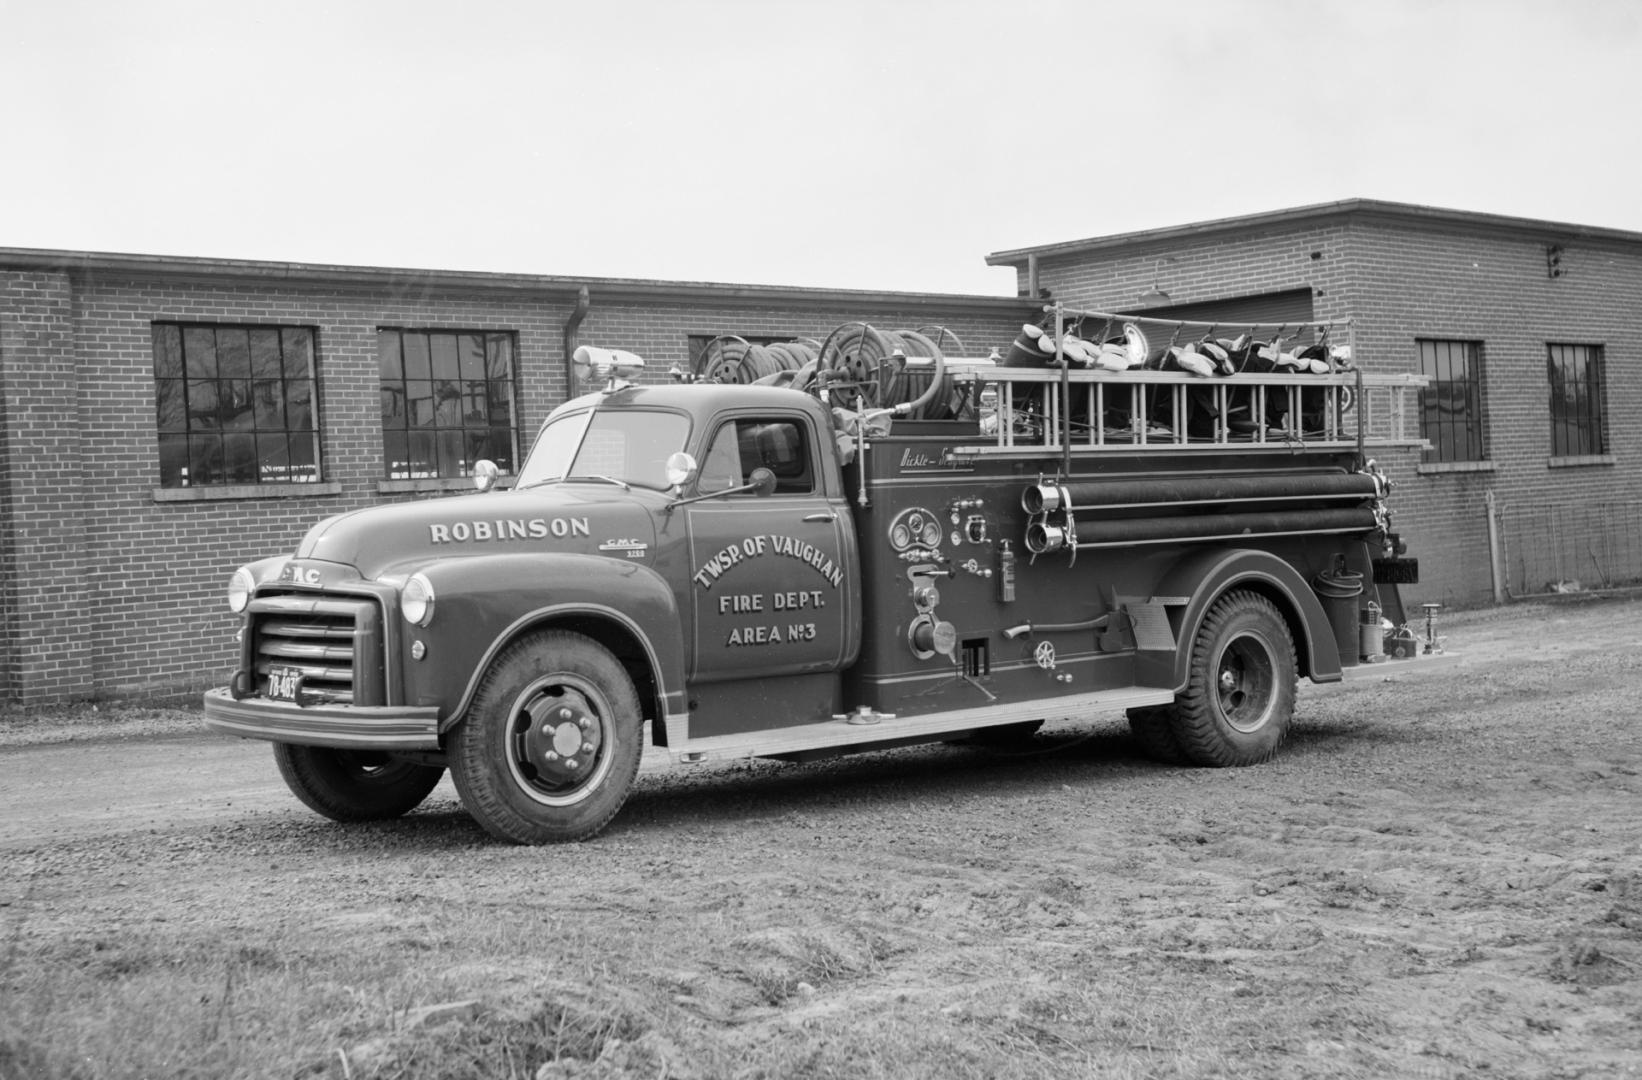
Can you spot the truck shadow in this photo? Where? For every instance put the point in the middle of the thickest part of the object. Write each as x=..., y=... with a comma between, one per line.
x=1099, y=755
x=880, y=781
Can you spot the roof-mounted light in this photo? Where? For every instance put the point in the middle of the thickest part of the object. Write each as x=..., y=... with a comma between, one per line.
x=610, y=366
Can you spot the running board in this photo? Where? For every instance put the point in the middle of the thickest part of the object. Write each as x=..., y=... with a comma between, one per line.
x=1407, y=665
x=865, y=729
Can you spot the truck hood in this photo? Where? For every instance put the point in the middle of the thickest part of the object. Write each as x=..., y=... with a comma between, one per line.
x=565, y=518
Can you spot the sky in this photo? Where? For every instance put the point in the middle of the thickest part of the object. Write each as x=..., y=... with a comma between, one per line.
x=852, y=144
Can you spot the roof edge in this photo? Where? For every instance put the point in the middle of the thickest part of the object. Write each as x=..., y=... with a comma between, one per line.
x=1315, y=212
x=197, y=268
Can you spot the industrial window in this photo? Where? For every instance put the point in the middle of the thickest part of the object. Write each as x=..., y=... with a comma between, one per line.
x=235, y=404
x=447, y=401
x=1451, y=404
x=1576, y=400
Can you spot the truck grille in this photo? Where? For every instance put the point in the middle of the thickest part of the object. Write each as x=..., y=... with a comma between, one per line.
x=335, y=642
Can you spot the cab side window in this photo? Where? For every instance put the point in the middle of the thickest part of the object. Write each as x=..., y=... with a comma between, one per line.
x=740, y=446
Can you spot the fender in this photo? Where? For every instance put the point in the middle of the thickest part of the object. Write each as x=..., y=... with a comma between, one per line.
x=1206, y=575
x=483, y=603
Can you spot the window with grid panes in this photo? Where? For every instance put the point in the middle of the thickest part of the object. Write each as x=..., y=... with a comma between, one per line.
x=1575, y=372
x=235, y=404
x=447, y=401
x=1451, y=403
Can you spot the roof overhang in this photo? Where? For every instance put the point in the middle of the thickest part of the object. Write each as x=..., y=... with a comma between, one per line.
x=1365, y=210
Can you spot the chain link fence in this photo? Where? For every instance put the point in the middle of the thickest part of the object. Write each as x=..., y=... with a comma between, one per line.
x=1571, y=548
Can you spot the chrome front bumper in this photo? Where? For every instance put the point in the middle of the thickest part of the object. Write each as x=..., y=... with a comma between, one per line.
x=347, y=727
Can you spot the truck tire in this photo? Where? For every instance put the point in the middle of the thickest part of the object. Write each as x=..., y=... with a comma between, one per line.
x=1153, y=728
x=1239, y=697
x=551, y=743
x=354, y=785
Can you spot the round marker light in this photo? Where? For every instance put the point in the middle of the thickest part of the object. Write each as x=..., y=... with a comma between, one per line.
x=681, y=469
x=240, y=587
x=416, y=600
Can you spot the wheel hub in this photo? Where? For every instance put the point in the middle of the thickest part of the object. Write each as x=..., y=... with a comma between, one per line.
x=1245, y=689
x=560, y=739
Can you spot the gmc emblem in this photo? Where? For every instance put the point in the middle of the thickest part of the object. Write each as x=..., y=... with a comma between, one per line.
x=299, y=575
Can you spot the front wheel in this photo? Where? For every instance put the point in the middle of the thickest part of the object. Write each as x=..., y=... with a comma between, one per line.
x=354, y=785
x=551, y=742
x=1239, y=697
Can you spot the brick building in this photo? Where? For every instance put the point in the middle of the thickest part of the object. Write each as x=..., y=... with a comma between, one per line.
x=118, y=536
x=163, y=420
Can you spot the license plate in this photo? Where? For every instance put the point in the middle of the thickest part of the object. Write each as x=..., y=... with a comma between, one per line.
x=285, y=684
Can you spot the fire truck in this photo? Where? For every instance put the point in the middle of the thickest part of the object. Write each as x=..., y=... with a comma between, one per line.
x=802, y=549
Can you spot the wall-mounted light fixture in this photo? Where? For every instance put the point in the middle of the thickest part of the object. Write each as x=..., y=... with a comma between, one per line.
x=1155, y=295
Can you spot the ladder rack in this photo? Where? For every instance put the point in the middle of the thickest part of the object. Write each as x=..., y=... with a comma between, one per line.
x=1039, y=409
x=1063, y=407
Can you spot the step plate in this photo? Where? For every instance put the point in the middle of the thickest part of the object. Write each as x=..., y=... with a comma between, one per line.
x=837, y=733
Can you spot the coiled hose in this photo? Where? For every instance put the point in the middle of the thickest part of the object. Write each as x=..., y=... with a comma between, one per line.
x=855, y=361
x=860, y=361
x=735, y=360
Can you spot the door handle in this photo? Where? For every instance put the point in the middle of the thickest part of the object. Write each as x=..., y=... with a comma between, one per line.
x=828, y=516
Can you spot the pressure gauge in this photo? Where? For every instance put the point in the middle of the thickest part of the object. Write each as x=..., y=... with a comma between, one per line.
x=916, y=528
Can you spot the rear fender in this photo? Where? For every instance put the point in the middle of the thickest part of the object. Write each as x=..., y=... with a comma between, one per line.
x=1205, y=576
x=485, y=603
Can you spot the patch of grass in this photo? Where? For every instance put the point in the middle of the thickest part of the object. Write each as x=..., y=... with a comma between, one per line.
x=779, y=962
x=203, y=1007
x=96, y=720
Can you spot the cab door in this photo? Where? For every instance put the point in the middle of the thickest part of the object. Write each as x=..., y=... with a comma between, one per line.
x=773, y=592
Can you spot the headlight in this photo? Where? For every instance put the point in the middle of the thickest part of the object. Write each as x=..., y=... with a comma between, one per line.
x=416, y=600
x=240, y=587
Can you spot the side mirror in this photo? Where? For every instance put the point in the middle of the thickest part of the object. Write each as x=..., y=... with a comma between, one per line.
x=485, y=473
x=760, y=481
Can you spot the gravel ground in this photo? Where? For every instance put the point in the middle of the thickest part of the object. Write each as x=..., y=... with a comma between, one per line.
x=1440, y=875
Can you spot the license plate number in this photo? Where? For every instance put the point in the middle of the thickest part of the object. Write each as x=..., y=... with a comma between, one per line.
x=285, y=684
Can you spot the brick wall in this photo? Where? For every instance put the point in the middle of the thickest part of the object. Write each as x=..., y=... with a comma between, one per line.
x=45, y=544
x=1496, y=290
x=121, y=586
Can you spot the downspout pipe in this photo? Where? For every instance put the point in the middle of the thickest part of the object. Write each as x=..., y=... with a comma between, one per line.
x=1493, y=547
x=572, y=326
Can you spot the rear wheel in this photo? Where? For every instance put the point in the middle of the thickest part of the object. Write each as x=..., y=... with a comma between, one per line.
x=1239, y=698
x=354, y=785
x=551, y=743
x=1153, y=728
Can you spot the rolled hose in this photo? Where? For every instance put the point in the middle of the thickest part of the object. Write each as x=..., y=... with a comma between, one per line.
x=872, y=363
x=1338, y=584
x=735, y=360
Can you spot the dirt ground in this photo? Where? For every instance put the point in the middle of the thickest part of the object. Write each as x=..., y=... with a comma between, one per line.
x=1439, y=876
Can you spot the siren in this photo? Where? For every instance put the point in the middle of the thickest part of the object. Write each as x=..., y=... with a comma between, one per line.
x=594, y=363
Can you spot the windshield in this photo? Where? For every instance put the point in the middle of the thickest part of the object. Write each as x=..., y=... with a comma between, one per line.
x=630, y=446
